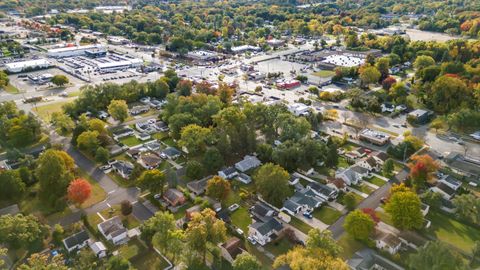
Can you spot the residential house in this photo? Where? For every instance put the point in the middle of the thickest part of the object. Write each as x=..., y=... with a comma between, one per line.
x=143, y=136
x=145, y=127
x=76, y=241
x=199, y=187
x=149, y=161
x=370, y=164
x=451, y=182
x=136, y=110
x=134, y=153
x=412, y=239
x=228, y=173
x=261, y=211
x=265, y=231
x=380, y=157
x=425, y=208
x=123, y=168
x=293, y=180
x=244, y=178
x=324, y=192
x=388, y=242
x=444, y=190
x=174, y=197
x=337, y=183
x=113, y=230
x=161, y=126
x=231, y=249
x=99, y=249
x=368, y=259
x=349, y=176
x=153, y=145
x=248, y=163
x=122, y=132
x=171, y=153
x=420, y=116
x=190, y=211
x=303, y=200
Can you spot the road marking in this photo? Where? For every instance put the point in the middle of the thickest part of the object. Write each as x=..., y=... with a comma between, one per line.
x=112, y=191
x=109, y=205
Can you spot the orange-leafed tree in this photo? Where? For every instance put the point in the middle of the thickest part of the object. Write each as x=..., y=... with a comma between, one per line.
x=422, y=168
x=79, y=191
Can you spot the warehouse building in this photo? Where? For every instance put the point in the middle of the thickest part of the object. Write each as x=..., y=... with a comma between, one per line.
x=75, y=51
x=28, y=65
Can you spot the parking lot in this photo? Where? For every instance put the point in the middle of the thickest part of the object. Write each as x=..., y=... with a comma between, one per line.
x=21, y=81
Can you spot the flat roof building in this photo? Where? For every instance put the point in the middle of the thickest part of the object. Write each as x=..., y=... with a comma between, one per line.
x=375, y=137
x=22, y=66
x=73, y=51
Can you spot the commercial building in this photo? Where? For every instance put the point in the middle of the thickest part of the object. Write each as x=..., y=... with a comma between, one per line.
x=111, y=9
x=73, y=51
x=288, y=84
x=119, y=65
x=28, y=65
x=245, y=48
x=40, y=79
x=202, y=55
x=375, y=137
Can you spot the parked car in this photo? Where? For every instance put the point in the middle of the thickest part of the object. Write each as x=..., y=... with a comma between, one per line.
x=233, y=207
x=251, y=240
x=239, y=231
x=308, y=214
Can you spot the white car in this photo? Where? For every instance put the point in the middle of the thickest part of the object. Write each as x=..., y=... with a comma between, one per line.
x=252, y=240
x=239, y=231
x=233, y=207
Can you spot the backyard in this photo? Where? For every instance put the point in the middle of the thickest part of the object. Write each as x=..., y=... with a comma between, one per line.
x=279, y=247
x=45, y=111
x=130, y=141
x=241, y=218
x=349, y=246
x=327, y=215
x=129, y=221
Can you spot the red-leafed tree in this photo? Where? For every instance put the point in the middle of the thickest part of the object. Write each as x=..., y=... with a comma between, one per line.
x=422, y=168
x=79, y=191
x=388, y=82
x=372, y=214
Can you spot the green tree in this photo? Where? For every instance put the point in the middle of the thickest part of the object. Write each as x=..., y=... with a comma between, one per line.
x=213, y=160
x=159, y=225
x=58, y=234
x=468, y=207
x=97, y=125
x=383, y=65
x=180, y=120
x=21, y=231
x=153, y=180
x=423, y=61
x=184, y=88
x=323, y=239
x=405, y=209
x=194, y=169
x=102, y=155
x=388, y=167
x=195, y=138
x=12, y=185
x=436, y=256
x=117, y=263
x=272, y=183
x=350, y=201
x=448, y=94
x=63, y=122
x=4, y=80
x=369, y=75
x=218, y=188
x=60, y=80
x=88, y=141
x=300, y=258
x=359, y=225
x=246, y=261
x=118, y=109
x=475, y=253
x=158, y=89
x=44, y=261
x=126, y=207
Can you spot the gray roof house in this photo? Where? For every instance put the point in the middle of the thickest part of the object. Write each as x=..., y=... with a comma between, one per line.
x=302, y=200
x=198, y=187
x=265, y=231
x=323, y=191
x=228, y=173
x=171, y=153
x=113, y=230
x=248, y=163
x=123, y=168
x=262, y=211
x=76, y=241
x=368, y=259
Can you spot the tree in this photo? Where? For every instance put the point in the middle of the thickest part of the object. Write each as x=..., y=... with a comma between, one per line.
x=44, y=261
x=213, y=160
x=371, y=212
x=126, y=207
x=436, y=256
x=405, y=208
x=359, y=225
x=184, y=88
x=246, y=261
x=60, y=80
x=117, y=263
x=300, y=258
x=102, y=155
x=475, y=253
x=63, y=122
x=437, y=123
x=433, y=199
x=118, y=109
x=88, y=141
x=4, y=80
x=54, y=173
x=58, y=234
x=272, y=183
x=204, y=228
x=448, y=94
x=369, y=75
x=79, y=191
x=323, y=239
x=423, y=61
x=388, y=82
x=97, y=125
x=3, y=252
x=21, y=231
x=468, y=207
x=153, y=180
x=383, y=66
x=422, y=169
x=388, y=166
x=176, y=243
x=350, y=201
x=225, y=93
x=218, y=188
x=194, y=169
x=195, y=138
x=12, y=185
x=159, y=225
x=158, y=89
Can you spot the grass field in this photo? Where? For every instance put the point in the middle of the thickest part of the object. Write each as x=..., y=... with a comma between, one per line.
x=45, y=111
x=241, y=218
x=279, y=247
x=130, y=141
x=149, y=260
x=364, y=188
x=349, y=246
x=452, y=232
x=376, y=181
x=324, y=73
x=11, y=89
x=302, y=226
x=327, y=215
x=358, y=198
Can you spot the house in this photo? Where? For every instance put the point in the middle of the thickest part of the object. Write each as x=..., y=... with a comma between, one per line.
x=374, y=137
x=134, y=152
x=349, y=176
x=444, y=190
x=248, y=163
x=370, y=164
x=171, y=153
x=199, y=187
x=145, y=127
x=388, y=242
x=451, y=182
x=228, y=173
x=143, y=136
x=244, y=178
x=123, y=168
x=412, y=239
x=265, y=231
x=360, y=152
x=380, y=157
x=113, y=230
x=136, y=110
x=76, y=241
x=190, y=211
x=420, y=116
x=302, y=200
x=99, y=249
x=367, y=259
x=152, y=145
x=231, y=249
x=122, y=132
x=149, y=161
x=337, y=183
x=324, y=192
x=161, y=126
x=174, y=197
x=261, y=211
x=425, y=208
x=293, y=180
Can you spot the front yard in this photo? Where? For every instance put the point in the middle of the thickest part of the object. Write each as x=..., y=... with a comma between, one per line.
x=129, y=221
x=300, y=225
x=327, y=215
x=358, y=198
x=279, y=247
x=241, y=218
x=363, y=188
x=130, y=141
x=376, y=181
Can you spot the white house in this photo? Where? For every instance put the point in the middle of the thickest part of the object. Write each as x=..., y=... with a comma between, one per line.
x=303, y=200
x=76, y=241
x=352, y=175
x=263, y=232
x=451, y=182
x=248, y=163
x=444, y=190
x=113, y=230
x=99, y=249
x=370, y=164
x=388, y=242
x=228, y=173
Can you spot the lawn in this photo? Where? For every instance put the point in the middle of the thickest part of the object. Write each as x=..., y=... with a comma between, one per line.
x=452, y=232
x=45, y=111
x=181, y=211
x=349, y=246
x=160, y=135
x=302, y=226
x=130, y=141
x=241, y=218
x=363, y=188
x=327, y=215
x=279, y=247
x=358, y=198
x=97, y=195
x=119, y=180
x=343, y=163
x=324, y=73
x=169, y=141
x=133, y=248
x=149, y=260
x=384, y=217
x=129, y=221
x=262, y=258
x=376, y=181
x=11, y=89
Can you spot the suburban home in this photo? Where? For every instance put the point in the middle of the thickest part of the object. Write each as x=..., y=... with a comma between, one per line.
x=143, y=136
x=190, y=211
x=244, y=178
x=261, y=211
x=293, y=180
x=302, y=201
x=133, y=152
x=324, y=192
x=412, y=239
x=369, y=259
x=425, y=208
x=136, y=110
x=174, y=197
x=451, y=182
x=388, y=242
x=349, y=176
x=123, y=168
x=337, y=183
x=76, y=241
x=199, y=187
x=122, y=132
x=231, y=249
x=228, y=173
x=153, y=145
x=149, y=161
x=161, y=126
x=145, y=127
x=99, y=249
x=444, y=190
x=357, y=153
x=380, y=157
x=113, y=230
x=420, y=116
x=370, y=164
x=248, y=163
x=171, y=153
x=265, y=231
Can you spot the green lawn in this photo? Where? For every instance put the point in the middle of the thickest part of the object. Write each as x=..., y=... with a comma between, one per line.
x=160, y=135
x=130, y=141
x=358, y=198
x=384, y=217
x=119, y=180
x=11, y=89
x=452, y=232
x=264, y=260
x=45, y=111
x=181, y=211
x=133, y=248
x=169, y=141
x=241, y=218
x=97, y=195
x=324, y=73
x=327, y=215
x=129, y=221
x=349, y=246
x=376, y=181
x=363, y=188
x=149, y=260
x=279, y=247
x=302, y=226
x=342, y=162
